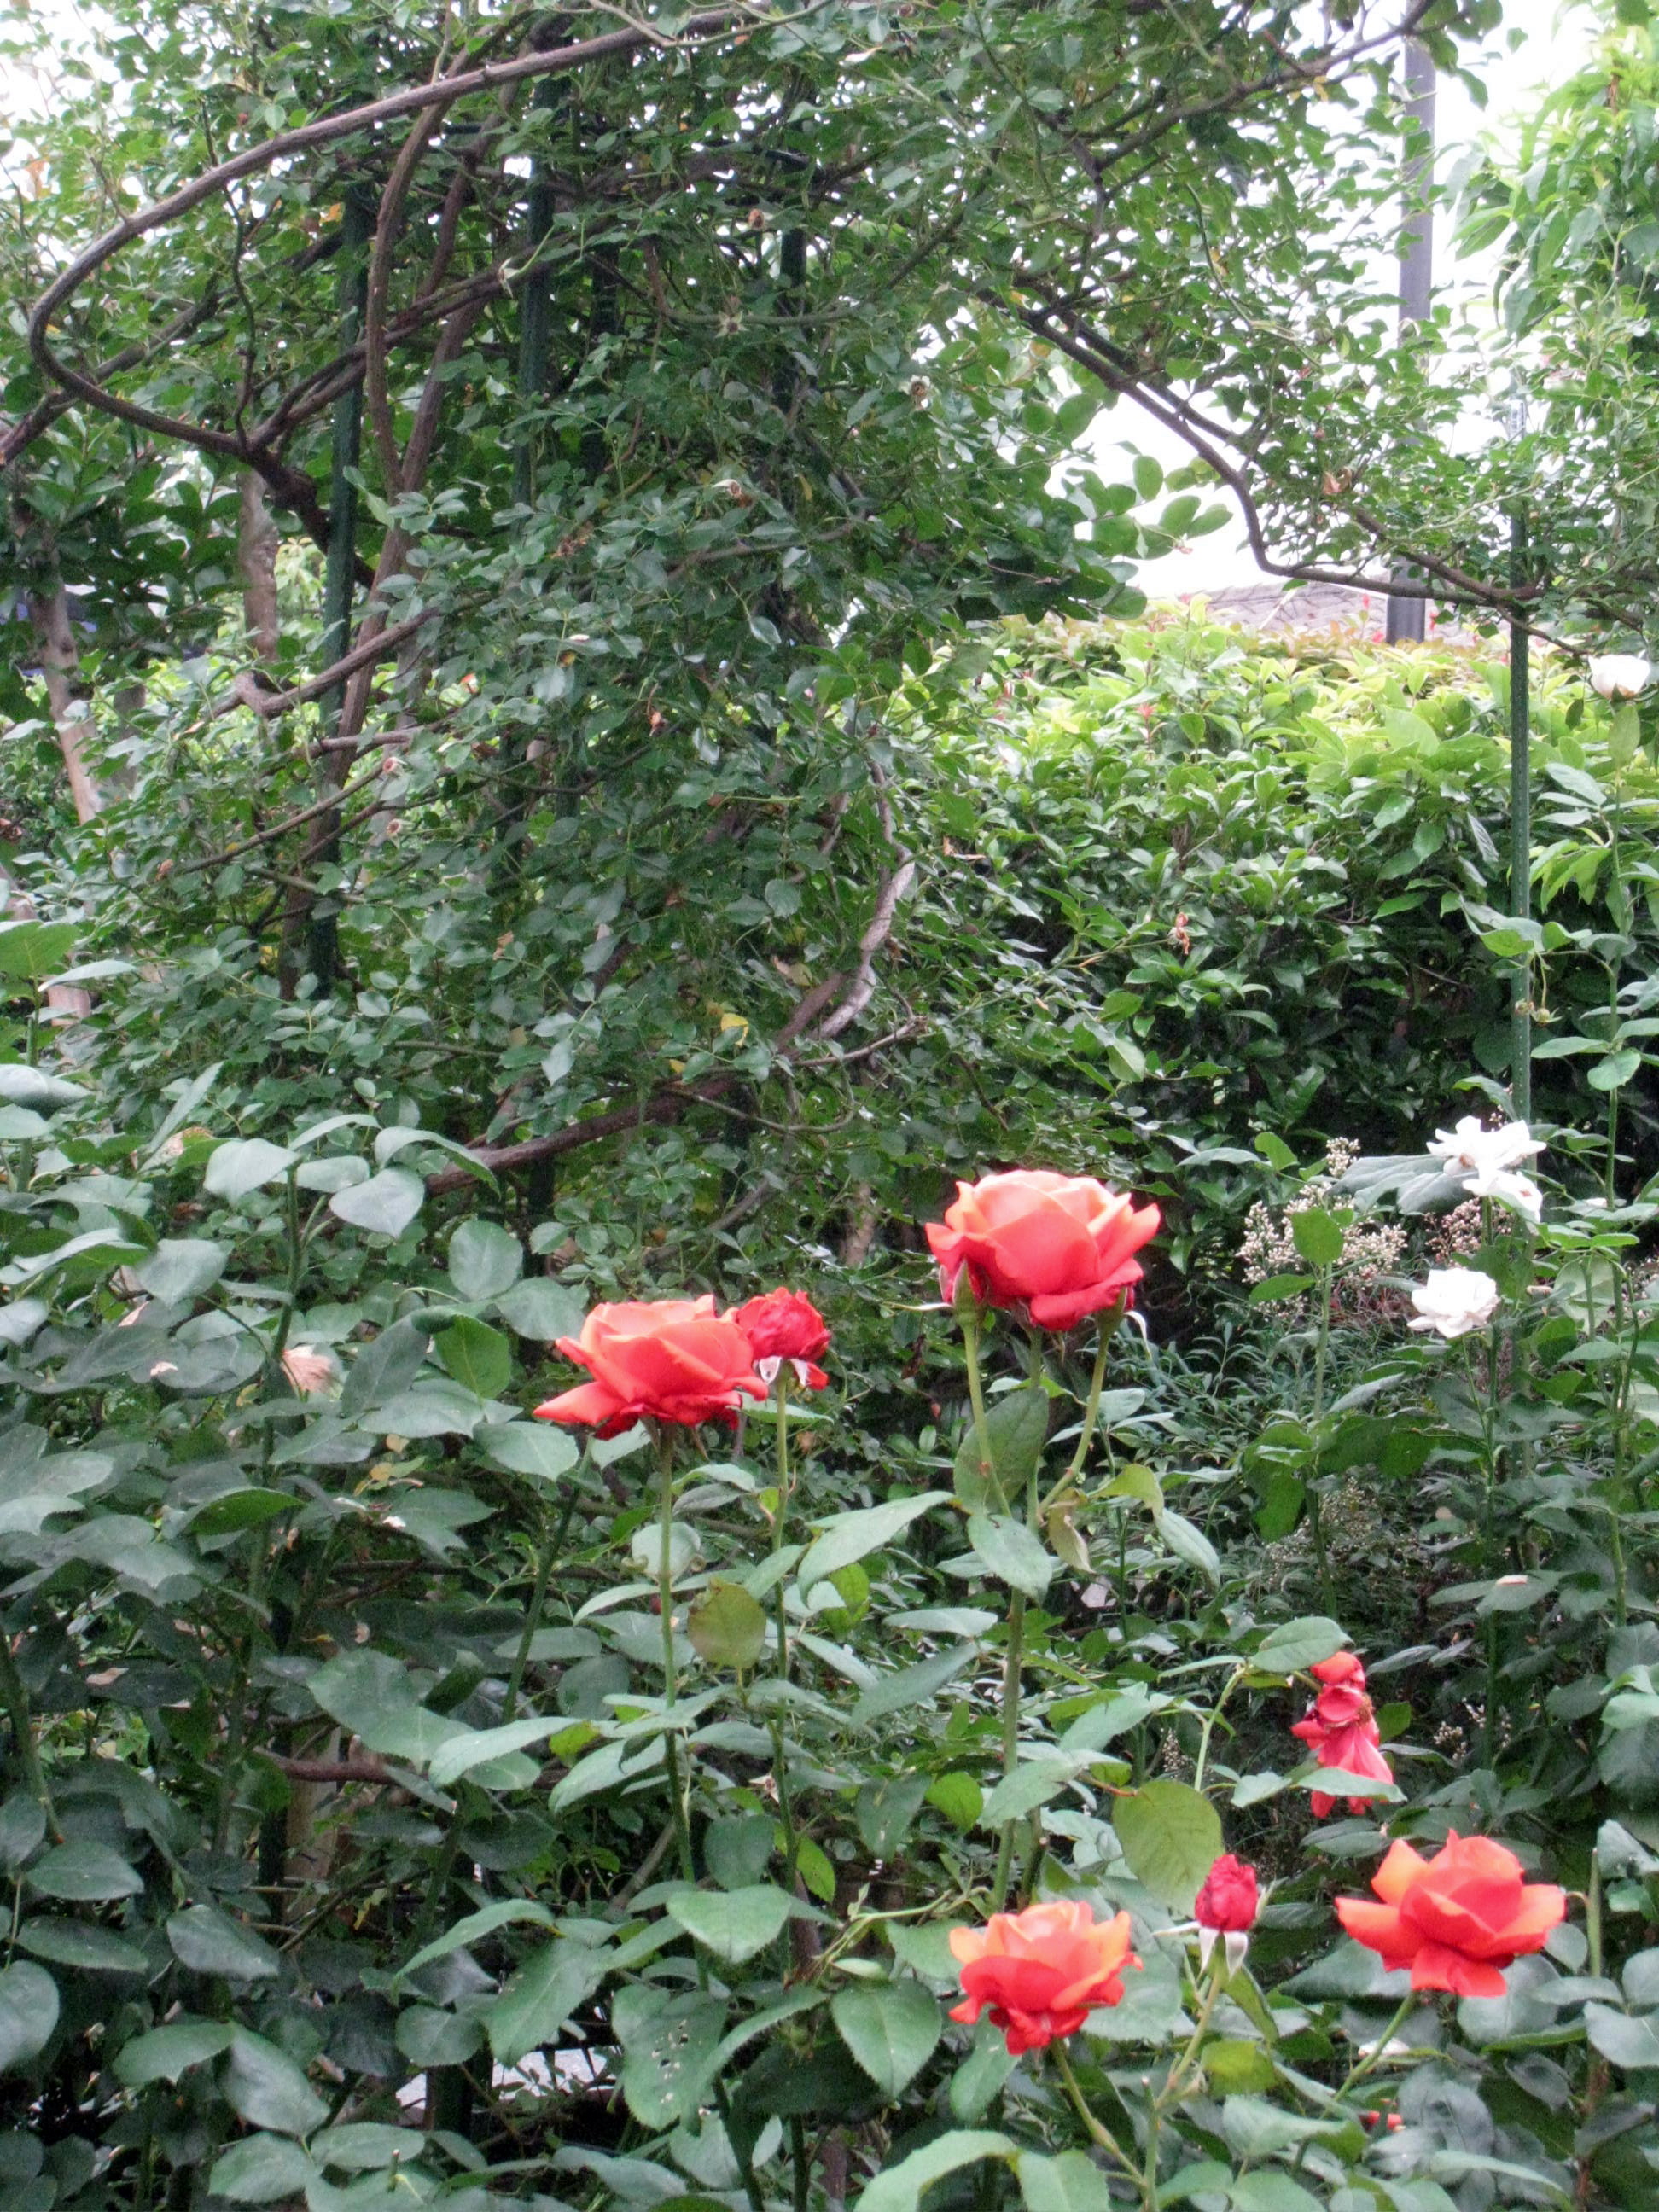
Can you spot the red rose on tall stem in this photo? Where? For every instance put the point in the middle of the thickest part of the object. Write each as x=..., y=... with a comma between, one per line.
x=1341, y=1729
x=1060, y=1247
x=1041, y=1972
x=1456, y=1919
x=662, y=1359
x=785, y=1325
x=1228, y=1901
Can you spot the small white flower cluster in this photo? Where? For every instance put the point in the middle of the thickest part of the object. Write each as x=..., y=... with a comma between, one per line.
x=1452, y=1238
x=1370, y=1249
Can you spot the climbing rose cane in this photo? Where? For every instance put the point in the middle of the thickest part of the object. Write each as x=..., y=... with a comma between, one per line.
x=662, y=1359
x=1341, y=1729
x=1060, y=1247
x=1456, y=1919
x=785, y=1325
x=1042, y=1972
x=1227, y=1906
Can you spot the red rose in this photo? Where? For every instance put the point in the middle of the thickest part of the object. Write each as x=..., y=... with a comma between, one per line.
x=1456, y=1919
x=1042, y=1972
x=1341, y=1729
x=668, y=1359
x=1059, y=1246
x=1228, y=1901
x=786, y=1325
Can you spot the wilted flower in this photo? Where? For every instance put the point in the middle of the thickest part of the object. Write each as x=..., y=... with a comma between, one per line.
x=1485, y=1163
x=1619, y=675
x=310, y=1372
x=1454, y=1301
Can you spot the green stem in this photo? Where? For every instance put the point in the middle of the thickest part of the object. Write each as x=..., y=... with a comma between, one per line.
x=16, y=1697
x=1010, y=1682
x=1210, y=1720
x=1358, y=2072
x=669, y=1665
x=549, y=1553
x=1592, y=1917
x=988, y=1466
x=1099, y=2131
x=780, y=1392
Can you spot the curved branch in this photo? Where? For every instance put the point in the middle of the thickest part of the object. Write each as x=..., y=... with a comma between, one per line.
x=322, y=132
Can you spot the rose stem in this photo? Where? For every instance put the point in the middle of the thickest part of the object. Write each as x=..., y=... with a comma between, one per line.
x=671, y=1680
x=550, y=1553
x=780, y=1391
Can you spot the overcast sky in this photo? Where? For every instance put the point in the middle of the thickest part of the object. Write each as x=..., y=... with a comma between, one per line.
x=1558, y=41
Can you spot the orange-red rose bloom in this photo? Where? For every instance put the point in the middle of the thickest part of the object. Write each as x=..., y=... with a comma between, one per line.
x=1042, y=1972
x=1457, y=1919
x=1061, y=1246
x=786, y=1325
x=1228, y=1901
x=669, y=1359
x=1341, y=1729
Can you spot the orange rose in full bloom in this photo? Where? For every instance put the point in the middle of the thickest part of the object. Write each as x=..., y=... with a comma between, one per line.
x=665, y=1359
x=1456, y=1919
x=1061, y=1246
x=1042, y=1972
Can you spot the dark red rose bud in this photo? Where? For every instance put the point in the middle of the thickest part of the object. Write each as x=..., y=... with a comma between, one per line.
x=1228, y=1901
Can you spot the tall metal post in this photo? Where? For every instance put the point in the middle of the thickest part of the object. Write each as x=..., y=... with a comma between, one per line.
x=1407, y=618
x=1520, y=831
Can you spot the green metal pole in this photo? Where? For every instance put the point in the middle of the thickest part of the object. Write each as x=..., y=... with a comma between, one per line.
x=1520, y=832
x=535, y=315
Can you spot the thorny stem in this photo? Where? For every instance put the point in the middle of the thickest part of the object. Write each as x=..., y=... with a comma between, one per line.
x=1316, y=1526
x=1010, y=1671
x=988, y=1466
x=670, y=1668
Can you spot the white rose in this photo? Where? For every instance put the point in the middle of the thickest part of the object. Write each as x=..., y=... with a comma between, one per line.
x=1454, y=1301
x=1484, y=1162
x=1619, y=675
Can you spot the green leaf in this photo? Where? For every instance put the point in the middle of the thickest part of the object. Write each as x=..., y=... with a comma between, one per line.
x=506, y=1912
x=1069, y=2183
x=485, y=1262
x=31, y=951
x=28, y=2014
x=1296, y=1645
x=541, y=1996
x=1007, y=1549
x=736, y=1852
x=167, y=2053
x=1276, y=1288
x=541, y=1310
x=1188, y=1542
x=22, y=1124
x=959, y=1796
x=82, y=1944
x=245, y=1164
x=1317, y=1237
x=1171, y=1837
x=477, y=1747
x=1033, y=1783
x=260, y=2169
x=733, y=1924
x=476, y=1356
x=529, y=1448
x=890, y=2028
x=366, y=2147
x=385, y=1204
x=33, y=1086
x=671, y=2052
x=208, y=1942
x=1627, y=2042
x=1266, y=2191
x=264, y=2086
x=1614, y=1071
x=884, y=1811
x=432, y=2038
x=893, y=1692
x=22, y=1829
x=1017, y=1428
x=86, y=1873
x=850, y=1536
x=178, y=1270
x=727, y=1626
x=899, y=2188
